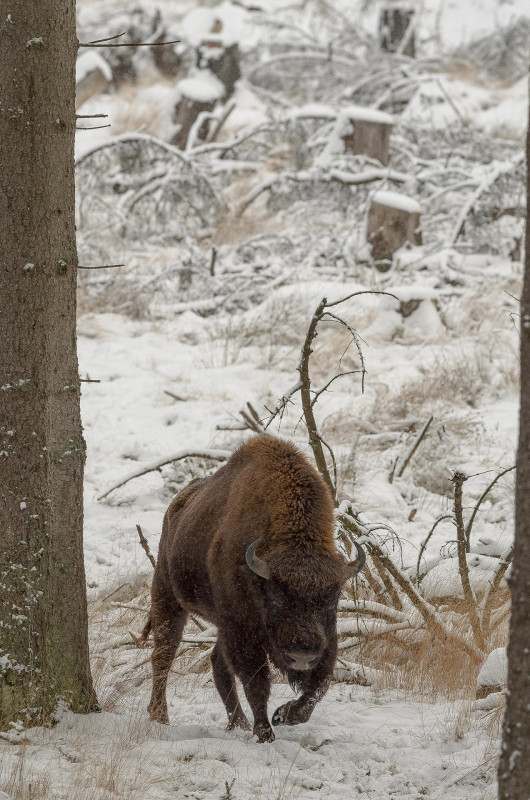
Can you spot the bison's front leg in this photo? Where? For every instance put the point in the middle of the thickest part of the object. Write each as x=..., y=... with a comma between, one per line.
x=314, y=685
x=248, y=659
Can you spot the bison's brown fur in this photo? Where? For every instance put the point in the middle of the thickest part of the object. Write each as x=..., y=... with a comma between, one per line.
x=267, y=491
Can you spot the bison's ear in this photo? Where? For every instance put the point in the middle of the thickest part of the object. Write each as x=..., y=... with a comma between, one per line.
x=354, y=567
x=256, y=564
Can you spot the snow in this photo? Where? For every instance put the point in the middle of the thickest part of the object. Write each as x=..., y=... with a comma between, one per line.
x=444, y=579
x=494, y=671
x=366, y=114
x=203, y=88
x=198, y=22
x=176, y=366
x=89, y=61
x=382, y=748
x=397, y=201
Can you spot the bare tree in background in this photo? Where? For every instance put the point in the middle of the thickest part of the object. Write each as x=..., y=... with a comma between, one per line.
x=43, y=614
x=514, y=767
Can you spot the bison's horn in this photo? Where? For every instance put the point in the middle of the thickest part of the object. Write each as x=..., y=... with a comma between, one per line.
x=256, y=564
x=354, y=567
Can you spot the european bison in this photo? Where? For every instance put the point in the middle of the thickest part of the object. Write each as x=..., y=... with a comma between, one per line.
x=250, y=549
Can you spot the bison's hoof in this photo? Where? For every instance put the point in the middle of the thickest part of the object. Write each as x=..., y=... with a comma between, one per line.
x=281, y=714
x=238, y=722
x=264, y=733
x=290, y=714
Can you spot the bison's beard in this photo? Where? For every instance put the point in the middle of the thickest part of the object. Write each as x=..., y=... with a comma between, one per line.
x=295, y=679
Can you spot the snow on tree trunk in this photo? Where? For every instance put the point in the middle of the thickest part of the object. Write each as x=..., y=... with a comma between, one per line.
x=43, y=613
x=394, y=32
x=515, y=754
x=364, y=131
x=393, y=219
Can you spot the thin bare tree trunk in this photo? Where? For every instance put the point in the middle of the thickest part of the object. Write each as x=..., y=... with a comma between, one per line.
x=43, y=619
x=514, y=766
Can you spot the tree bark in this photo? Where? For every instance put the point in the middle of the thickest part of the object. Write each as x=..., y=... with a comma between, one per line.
x=514, y=766
x=43, y=616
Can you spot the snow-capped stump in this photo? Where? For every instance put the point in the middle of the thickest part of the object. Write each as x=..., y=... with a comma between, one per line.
x=411, y=314
x=92, y=75
x=393, y=219
x=218, y=53
x=361, y=130
x=395, y=29
x=195, y=95
x=493, y=674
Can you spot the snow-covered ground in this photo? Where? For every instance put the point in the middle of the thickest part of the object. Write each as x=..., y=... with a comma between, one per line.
x=173, y=353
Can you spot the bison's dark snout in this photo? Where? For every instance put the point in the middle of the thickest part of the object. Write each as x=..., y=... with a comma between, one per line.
x=301, y=660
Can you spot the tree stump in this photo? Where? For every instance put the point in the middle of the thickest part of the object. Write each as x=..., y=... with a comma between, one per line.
x=221, y=60
x=365, y=131
x=393, y=29
x=93, y=75
x=195, y=95
x=393, y=219
x=220, y=56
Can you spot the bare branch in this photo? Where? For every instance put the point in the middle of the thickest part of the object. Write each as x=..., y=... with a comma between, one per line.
x=108, y=38
x=479, y=503
x=355, y=339
x=101, y=266
x=469, y=596
x=328, y=384
x=143, y=542
x=216, y=455
x=127, y=44
x=282, y=402
x=489, y=597
x=426, y=541
x=402, y=463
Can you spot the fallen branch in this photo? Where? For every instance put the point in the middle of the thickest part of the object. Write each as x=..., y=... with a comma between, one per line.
x=401, y=464
x=334, y=175
x=215, y=455
x=484, y=186
x=357, y=530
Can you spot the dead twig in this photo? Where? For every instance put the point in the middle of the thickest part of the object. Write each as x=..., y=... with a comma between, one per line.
x=426, y=542
x=469, y=596
x=489, y=597
x=482, y=497
x=401, y=464
x=143, y=542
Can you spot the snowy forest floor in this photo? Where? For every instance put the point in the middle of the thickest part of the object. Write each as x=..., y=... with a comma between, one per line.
x=178, y=351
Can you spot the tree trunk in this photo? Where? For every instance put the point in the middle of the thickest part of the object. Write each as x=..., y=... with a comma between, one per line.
x=514, y=766
x=394, y=33
x=43, y=616
x=393, y=219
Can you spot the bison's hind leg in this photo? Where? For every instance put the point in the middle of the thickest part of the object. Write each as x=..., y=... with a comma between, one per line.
x=167, y=622
x=226, y=686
